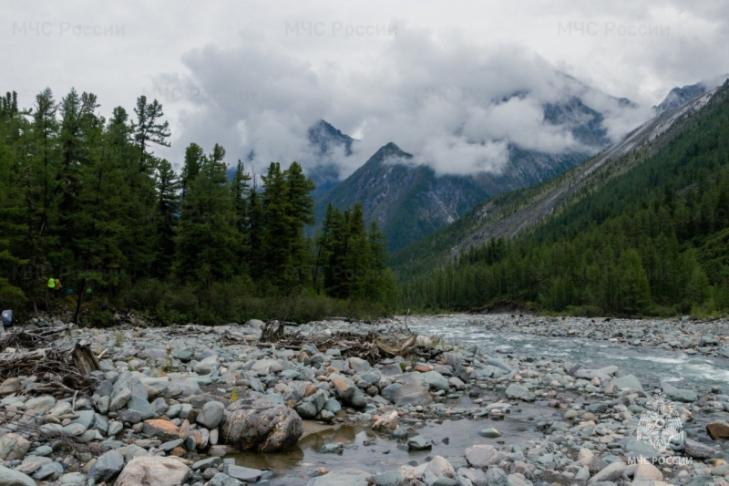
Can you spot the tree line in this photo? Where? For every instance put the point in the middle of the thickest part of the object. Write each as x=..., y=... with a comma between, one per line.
x=85, y=200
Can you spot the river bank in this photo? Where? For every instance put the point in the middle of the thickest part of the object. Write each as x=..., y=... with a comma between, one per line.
x=455, y=399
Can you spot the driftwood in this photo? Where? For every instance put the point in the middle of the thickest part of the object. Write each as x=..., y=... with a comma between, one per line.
x=56, y=371
x=29, y=339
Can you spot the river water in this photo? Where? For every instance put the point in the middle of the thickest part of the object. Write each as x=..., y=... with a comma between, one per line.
x=364, y=449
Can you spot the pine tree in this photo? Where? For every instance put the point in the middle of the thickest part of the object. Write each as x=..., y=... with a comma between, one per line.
x=168, y=186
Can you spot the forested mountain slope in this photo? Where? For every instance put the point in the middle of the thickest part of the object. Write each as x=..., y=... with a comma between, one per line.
x=643, y=227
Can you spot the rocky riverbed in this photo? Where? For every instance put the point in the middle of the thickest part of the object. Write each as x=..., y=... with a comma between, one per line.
x=466, y=400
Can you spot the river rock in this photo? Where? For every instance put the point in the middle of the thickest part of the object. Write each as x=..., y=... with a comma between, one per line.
x=679, y=394
x=435, y=380
x=718, y=430
x=247, y=474
x=106, y=466
x=646, y=471
x=519, y=392
x=419, y=443
x=162, y=428
x=407, y=394
x=610, y=472
x=482, y=455
x=9, y=477
x=153, y=471
x=626, y=383
x=342, y=477
x=697, y=450
x=13, y=446
x=604, y=374
x=39, y=405
x=211, y=414
x=49, y=471
x=264, y=427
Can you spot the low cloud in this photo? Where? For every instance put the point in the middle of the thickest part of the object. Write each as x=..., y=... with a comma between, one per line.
x=456, y=107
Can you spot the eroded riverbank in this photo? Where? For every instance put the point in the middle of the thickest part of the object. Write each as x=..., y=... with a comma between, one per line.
x=495, y=399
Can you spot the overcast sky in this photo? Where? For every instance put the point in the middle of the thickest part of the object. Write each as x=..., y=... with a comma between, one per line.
x=255, y=74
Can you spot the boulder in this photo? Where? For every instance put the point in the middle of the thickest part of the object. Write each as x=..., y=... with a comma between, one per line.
x=265, y=427
x=153, y=471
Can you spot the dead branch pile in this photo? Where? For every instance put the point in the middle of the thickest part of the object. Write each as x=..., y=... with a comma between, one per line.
x=371, y=346
x=29, y=339
x=55, y=370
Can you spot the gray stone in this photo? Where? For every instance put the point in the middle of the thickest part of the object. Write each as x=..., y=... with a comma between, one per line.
x=697, y=450
x=627, y=383
x=610, y=472
x=8, y=477
x=264, y=367
x=153, y=470
x=171, y=444
x=32, y=463
x=265, y=427
x=679, y=394
x=13, y=446
x=332, y=448
x=211, y=414
x=206, y=463
x=489, y=432
x=435, y=380
x=72, y=479
x=407, y=394
x=207, y=365
x=389, y=478
x=49, y=471
x=342, y=477
x=519, y=392
x=419, y=443
x=39, y=405
x=106, y=466
x=221, y=479
x=482, y=455
x=241, y=473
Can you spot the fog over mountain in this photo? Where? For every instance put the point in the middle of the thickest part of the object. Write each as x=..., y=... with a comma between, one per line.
x=455, y=107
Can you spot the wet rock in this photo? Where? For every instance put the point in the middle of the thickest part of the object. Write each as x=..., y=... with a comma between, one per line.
x=9, y=477
x=679, y=394
x=438, y=471
x=72, y=479
x=604, y=374
x=106, y=466
x=347, y=391
x=342, y=477
x=419, y=443
x=519, y=392
x=332, y=448
x=153, y=471
x=264, y=427
x=206, y=463
x=241, y=473
x=211, y=414
x=489, y=432
x=13, y=446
